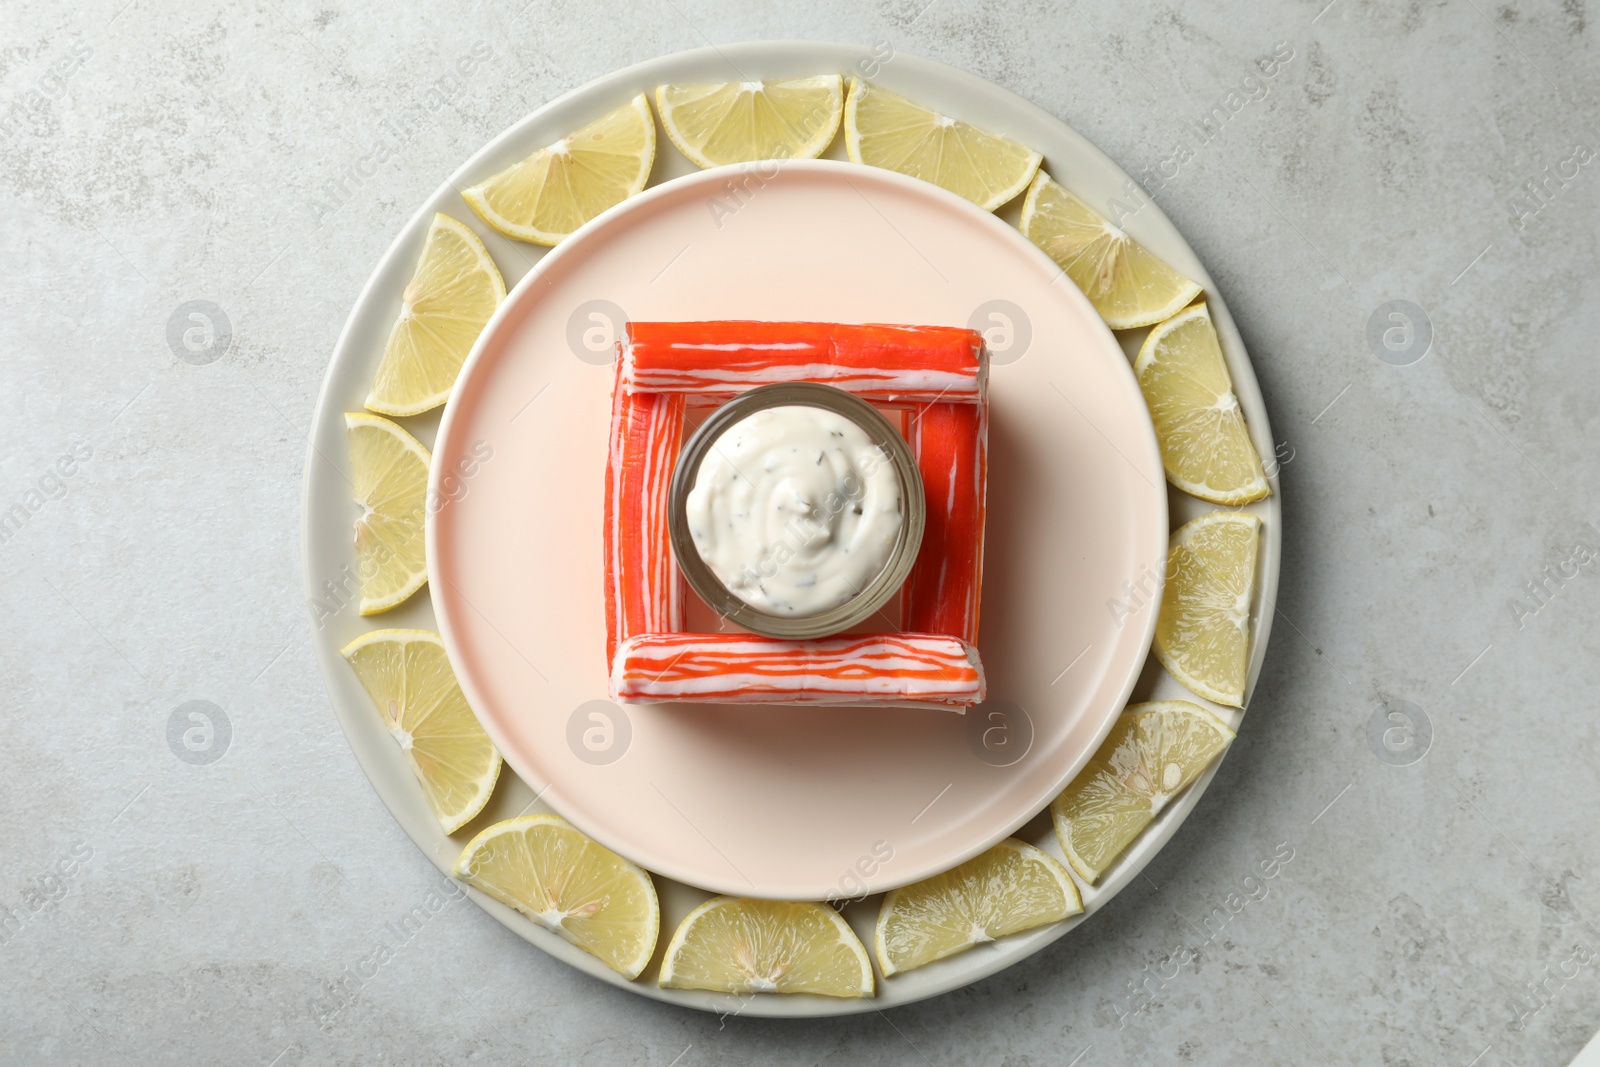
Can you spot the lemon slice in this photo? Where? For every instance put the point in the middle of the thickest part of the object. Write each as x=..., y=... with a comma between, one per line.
x=1153, y=752
x=452, y=294
x=1125, y=283
x=559, y=188
x=389, y=469
x=1010, y=888
x=407, y=674
x=1205, y=445
x=1203, y=631
x=568, y=884
x=738, y=122
x=884, y=129
x=735, y=945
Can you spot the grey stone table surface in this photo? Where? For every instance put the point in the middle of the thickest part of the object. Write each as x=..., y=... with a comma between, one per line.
x=1423, y=737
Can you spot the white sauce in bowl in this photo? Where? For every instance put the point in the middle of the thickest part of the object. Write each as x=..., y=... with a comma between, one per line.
x=795, y=510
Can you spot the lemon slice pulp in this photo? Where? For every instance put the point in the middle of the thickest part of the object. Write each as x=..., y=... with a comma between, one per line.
x=408, y=676
x=1153, y=751
x=1203, y=631
x=389, y=470
x=569, y=884
x=559, y=188
x=1125, y=283
x=739, y=122
x=1205, y=445
x=1010, y=888
x=455, y=289
x=884, y=129
x=735, y=945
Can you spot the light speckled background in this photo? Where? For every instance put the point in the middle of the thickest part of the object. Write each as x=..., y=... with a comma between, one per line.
x=158, y=153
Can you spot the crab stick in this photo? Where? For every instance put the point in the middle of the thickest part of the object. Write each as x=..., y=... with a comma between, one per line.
x=876, y=362
x=728, y=668
x=641, y=581
x=951, y=443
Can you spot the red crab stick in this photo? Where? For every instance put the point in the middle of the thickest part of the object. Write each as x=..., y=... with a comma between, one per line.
x=884, y=363
x=884, y=669
x=951, y=443
x=641, y=581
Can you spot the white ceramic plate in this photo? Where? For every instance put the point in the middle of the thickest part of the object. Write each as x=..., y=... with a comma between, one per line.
x=328, y=512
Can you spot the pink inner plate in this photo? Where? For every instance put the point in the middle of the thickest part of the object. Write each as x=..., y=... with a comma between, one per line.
x=795, y=803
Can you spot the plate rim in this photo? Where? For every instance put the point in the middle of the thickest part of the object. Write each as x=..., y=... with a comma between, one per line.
x=945, y=975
